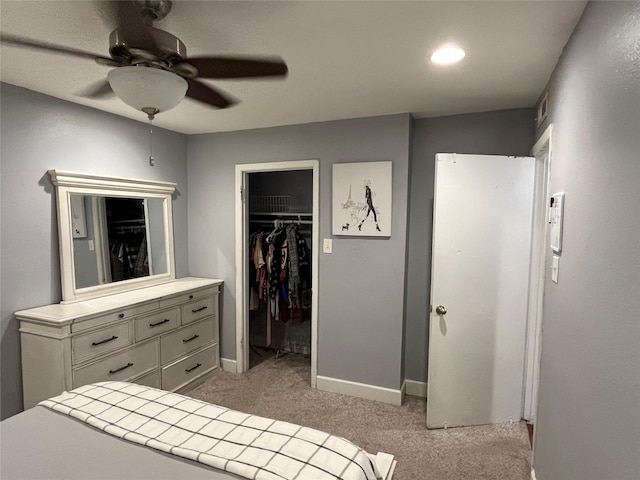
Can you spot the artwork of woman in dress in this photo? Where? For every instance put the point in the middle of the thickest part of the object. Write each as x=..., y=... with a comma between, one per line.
x=365, y=211
x=369, y=207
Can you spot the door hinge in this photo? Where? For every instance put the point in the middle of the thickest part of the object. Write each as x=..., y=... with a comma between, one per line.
x=242, y=343
x=242, y=196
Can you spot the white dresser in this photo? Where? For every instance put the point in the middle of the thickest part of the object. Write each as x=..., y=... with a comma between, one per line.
x=165, y=336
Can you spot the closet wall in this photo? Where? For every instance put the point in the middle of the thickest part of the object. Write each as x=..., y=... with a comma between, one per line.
x=279, y=280
x=360, y=288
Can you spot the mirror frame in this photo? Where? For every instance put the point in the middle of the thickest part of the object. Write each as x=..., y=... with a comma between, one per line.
x=68, y=183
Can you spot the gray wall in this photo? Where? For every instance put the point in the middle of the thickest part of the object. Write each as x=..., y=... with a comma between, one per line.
x=508, y=132
x=588, y=424
x=361, y=285
x=41, y=133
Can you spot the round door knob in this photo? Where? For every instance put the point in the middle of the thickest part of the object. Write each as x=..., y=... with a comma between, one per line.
x=441, y=310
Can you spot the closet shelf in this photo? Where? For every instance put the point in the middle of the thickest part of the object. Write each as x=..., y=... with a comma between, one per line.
x=286, y=218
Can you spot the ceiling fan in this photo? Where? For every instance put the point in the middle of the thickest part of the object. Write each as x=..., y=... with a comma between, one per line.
x=153, y=72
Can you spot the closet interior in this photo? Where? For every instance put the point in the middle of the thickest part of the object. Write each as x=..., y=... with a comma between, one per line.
x=280, y=224
x=127, y=240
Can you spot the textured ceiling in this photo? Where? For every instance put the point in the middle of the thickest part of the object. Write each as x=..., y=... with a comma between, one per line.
x=346, y=59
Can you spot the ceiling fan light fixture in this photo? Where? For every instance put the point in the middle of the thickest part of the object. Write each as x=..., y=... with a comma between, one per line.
x=147, y=89
x=447, y=55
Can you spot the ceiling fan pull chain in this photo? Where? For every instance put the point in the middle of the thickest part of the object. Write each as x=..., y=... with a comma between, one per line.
x=152, y=161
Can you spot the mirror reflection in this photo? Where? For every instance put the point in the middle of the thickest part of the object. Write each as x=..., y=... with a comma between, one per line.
x=117, y=238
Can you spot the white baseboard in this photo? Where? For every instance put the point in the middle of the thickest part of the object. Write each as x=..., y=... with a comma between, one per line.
x=416, y=389
x=362, y=390
x=533, y=474
x=229, y=365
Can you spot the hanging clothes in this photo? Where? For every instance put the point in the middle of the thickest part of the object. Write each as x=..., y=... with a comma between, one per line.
x=299, y=285
x=256, y=269
x=280, y=286
x=128, y=257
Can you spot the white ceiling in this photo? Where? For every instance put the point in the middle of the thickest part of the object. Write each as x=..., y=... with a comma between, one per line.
x=346, y=59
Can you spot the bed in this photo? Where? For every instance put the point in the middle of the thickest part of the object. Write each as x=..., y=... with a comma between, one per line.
x=123, y=430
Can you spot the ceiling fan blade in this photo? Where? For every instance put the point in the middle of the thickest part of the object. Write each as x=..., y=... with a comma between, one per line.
x=24, y=42
x=206, y=94
x=238, y=67
x=99, y=89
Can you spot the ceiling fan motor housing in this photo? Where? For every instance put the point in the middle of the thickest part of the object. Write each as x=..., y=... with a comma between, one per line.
x=167, y=48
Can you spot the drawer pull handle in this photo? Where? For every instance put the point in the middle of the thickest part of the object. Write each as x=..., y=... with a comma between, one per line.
x=121, y=315
x=159, y=323
x=106, y=340
x=187, y=340
x=187, y=370
x=199, y=309
x=111, y=372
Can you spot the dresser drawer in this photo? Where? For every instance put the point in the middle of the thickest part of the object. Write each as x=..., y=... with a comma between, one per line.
x=183, y=371
x=119, y=367
x=123, y=314
x=187, y=297
x=185, y=340
x=198, y=309
x=98, y=342
x=147, y=327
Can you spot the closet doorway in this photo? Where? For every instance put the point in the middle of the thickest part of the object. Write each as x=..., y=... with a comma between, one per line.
x=276, y=308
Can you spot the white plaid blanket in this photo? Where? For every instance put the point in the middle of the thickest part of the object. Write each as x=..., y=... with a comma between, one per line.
x=246, y=445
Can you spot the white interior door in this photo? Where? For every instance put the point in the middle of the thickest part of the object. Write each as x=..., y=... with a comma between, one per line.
x=482, y=226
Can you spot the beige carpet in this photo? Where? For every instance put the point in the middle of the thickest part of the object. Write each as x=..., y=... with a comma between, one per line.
x=280, y=389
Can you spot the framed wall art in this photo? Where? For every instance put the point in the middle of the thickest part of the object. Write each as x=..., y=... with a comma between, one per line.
x=362, y=199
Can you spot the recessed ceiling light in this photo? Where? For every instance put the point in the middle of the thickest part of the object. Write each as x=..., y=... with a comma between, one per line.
x=447, y=54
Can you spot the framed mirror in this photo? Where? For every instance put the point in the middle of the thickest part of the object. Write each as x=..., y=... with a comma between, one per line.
x=116, y=234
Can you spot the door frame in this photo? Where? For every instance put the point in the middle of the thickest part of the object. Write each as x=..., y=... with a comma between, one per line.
x=101, y=239
x=542, y=151
x=242, y=253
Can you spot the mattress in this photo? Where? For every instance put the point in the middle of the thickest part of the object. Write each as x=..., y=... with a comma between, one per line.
x=106, y=430
x=43, y=444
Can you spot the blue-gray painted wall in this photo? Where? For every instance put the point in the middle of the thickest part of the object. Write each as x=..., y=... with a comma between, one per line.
x=39, y=133
x=506, y=132
x=372, y=327
x=588, y=422
x=361, y=284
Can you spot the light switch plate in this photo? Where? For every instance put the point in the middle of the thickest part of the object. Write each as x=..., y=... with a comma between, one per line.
x=555, y=266
x=327, y=245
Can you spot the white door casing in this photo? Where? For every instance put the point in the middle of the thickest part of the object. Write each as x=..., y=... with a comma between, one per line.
x=480, y=273
x=242, y=253
x=542, y=151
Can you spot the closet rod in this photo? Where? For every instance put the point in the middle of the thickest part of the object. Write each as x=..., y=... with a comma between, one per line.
x=121, y=229
x=287, y=222
x=279, y=214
